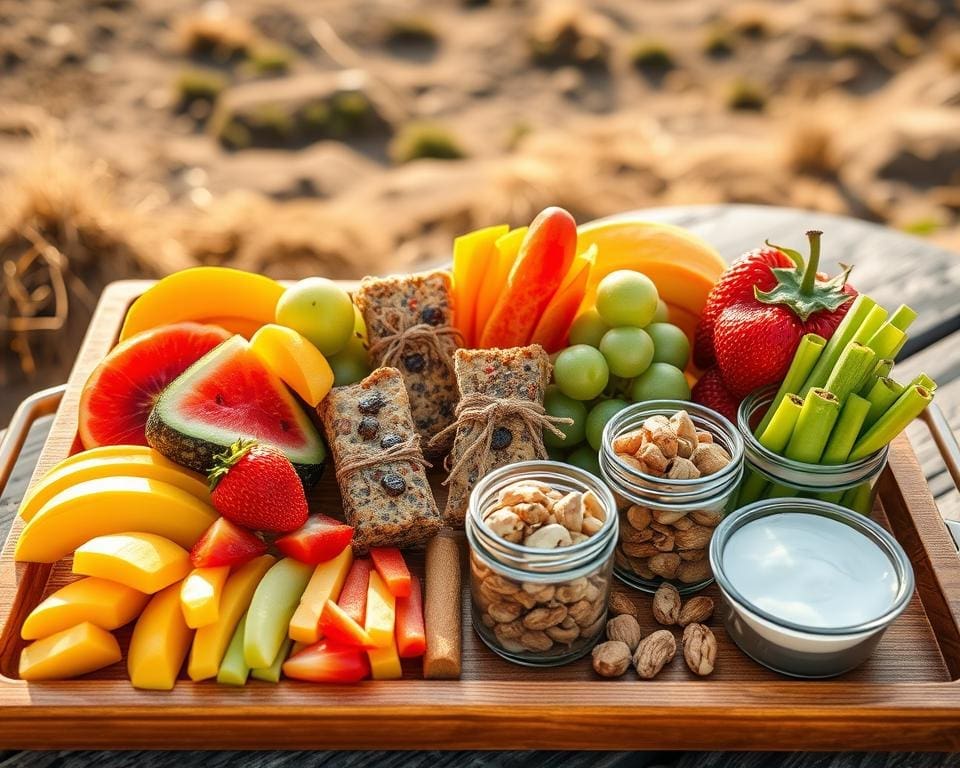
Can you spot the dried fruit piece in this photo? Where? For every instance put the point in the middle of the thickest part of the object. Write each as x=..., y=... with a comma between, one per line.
x=666, y=605
x=654, y=653
x=611, y=659
x=626, y=629
x=699, y=649
x=697, y=610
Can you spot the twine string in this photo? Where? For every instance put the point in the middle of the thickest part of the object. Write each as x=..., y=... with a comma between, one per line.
x=356, y=458
x=389, y=349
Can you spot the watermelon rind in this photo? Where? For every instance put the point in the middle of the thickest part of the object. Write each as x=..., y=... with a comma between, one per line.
x=192, y=442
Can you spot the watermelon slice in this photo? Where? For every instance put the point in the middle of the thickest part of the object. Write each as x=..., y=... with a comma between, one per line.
x=228, y=394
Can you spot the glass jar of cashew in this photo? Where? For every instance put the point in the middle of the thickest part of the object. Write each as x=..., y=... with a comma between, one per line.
x=673, y=468
x=541, y=536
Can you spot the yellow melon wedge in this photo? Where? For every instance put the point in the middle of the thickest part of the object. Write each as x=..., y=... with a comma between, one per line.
x=385, y=662
x=144, y=561
x=149, y=464
x=295, y=361
x=103, y=452
x=200, y=595
x=325, y=584
x=211, y=641
x=106, y=604
x=75, y=651
x=112, y=505
x=381, y=612
x=159, y=643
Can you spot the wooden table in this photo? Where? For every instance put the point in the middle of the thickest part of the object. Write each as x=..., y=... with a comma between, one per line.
x=891, y=267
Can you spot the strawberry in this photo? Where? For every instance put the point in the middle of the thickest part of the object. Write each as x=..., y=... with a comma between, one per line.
x=224, y=543
x=761, y=307
x=711, y=392
x=256, y=486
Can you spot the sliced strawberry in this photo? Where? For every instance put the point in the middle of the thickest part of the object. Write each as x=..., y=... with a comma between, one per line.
x=224, y=543
x=322, y=538
x=353, y=596
x=328, y=662
x=393, y=570
x=411, y=637
x=337, y=626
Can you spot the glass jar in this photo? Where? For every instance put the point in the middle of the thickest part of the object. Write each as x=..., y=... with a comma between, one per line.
x=666, y=524
x=770, y=476
x=539, y=607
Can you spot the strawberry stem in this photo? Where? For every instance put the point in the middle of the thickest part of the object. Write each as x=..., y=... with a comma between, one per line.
x=222, y=462
x=813, y=262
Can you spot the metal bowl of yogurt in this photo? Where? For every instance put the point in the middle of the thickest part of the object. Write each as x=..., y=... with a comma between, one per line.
x=809, y=587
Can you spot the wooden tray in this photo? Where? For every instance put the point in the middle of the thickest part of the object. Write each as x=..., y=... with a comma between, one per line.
x=905, y=698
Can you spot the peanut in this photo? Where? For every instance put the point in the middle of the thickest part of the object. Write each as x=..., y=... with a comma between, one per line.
x=697, y=610
x=699, y=649
x=654, y=652
x=611, y=659
x=666, y=604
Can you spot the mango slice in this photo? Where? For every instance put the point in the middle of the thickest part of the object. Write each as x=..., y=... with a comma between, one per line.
x=385, y=662
x=210, y=642
x=200, y=595
x=501, y=261
x=381, y=612
x=325, y=584
x=104, y=603
x=143, y=561
x=472, y=255
x=112, y=505
x=295, y=361
x=75, y=651
x=233, y=669
x=272, y=673
x=160, y=643
x=270, y=610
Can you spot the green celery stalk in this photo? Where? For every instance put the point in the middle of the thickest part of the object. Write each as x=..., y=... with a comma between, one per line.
x=884, y=394
x=752, y=488
x=271, y=674
x=925, y=381
x=817, y=416
x=858, y=498
x=233, y=668
x=887, y=340
x=903, y=317
x=855, y=364
x=882, y=368
x=804, y=359
x=847, y=430
x=777, y=433
x=907, y=407
x=851, y=323
x=871, y=324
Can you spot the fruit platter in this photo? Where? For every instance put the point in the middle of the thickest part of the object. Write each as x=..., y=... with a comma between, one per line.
x=588, y=487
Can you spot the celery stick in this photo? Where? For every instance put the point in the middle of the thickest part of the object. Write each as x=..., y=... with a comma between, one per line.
x=817, y=416
x=870, y=325
x=858, y=498
x=753, y=488
x=804, y=359
x=884, y=394
x=847, y=430
x=233, y=669
x=925, y=381
x=780, y=491
x=777, y=433
x=882, y=368
x=271, y=674
x=887, y=340
x=851, y=370
x=855, y=317
x=902, y=317
x=908, y=406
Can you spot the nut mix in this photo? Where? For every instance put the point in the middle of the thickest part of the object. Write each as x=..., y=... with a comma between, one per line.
x=668, y=543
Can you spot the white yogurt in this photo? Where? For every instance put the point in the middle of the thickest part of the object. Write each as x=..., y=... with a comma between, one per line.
x=810, y=570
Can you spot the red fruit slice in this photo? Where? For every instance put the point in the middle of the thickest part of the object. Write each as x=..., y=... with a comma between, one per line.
x=411, y=636
x=335, y=625
x=320, y=539
x=121, y=391
x=353, y=596
x=392, y=569
x=328, y=662
x=226, y=544
x=713, y=393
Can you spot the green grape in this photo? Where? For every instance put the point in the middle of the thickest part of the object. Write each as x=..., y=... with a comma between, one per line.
x=581, y=372
x=598, y=417
x=588, y=328
x=671, y=345
x=660, y=381
x=628, y=351
x=662, y=315
x=625, y=297
x=320, y=310
x=351, y=364
x=558, y=404
x=585, y=458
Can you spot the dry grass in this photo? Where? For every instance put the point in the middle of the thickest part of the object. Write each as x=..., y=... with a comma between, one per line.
x=746, y=96
x=566, y=33
x=411, y=30
x=651, y=55
x=811, y=150
x=215, y=35
x=425, y=140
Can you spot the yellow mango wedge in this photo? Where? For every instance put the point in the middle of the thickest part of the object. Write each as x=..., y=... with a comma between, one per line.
x=210, y=643
x=104, y=603
x=472, y=257
x=161, y=639
x=149, y=464
x=325, y=584
x=75, y=651
x=143, y=561
x=200, y=595
x=295, y=361
x=112, y=505
x=381, y=612
x=385, y=662
x=105, y=452
x=507, y=247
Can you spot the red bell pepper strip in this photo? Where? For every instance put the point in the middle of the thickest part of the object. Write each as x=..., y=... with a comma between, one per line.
x=411, y=635
x=393, y=570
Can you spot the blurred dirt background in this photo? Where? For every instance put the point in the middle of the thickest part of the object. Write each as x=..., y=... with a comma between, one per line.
x=348, y=137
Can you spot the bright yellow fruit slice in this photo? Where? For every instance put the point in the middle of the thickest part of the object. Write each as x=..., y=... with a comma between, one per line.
x=381, y=612
x=104, y=452
x=160, y=642
x=204, y=292
x=299, y=364
x=210, y=643
x=144, y=561
x=506, y=250
x=325, y=584
x=112, y=505
x=472, y=255
x=104, y=603
x=385, y=662
x=200, y=595
x=148, y=464
x=75, y=651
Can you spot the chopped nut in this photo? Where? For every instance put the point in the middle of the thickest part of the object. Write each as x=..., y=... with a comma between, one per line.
x=695, y=537
x=549, y=537
x=561, y=634
x=642, y=549
x=633, y=463
x=654, y=424
x=666, y=440
x=707, y=517
x=525, y=599
x=591, y=526
x=509, y=631
x=704, y=437
x=500, y=585
x=699, y=649
x=629, y=533
x=531, y=513
x=505, y=612
x=524, y=493
x=666, y=604
x=662, y=537
x=593, y=508
x=665, y=564
x=655, y=651
x=683, y=426
x=697, y=610
x=685, y=447
x=621, y=605
x=576, y=538
x=572, y=591
x=542, y=618
x=611, y=659
x=668, y=516
x=694, y=572
x=626, y=629
x=536, y=641
x=506, y=524
x=692, y=555
x=682, y=469
x=683, y=523
x=629, y=442
x=569, y=511
x=653, y=458
x=710, y=458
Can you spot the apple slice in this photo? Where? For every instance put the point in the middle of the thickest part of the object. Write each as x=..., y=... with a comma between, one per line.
x=271, y=609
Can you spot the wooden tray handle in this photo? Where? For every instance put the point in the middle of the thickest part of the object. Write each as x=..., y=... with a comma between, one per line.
x=41, y=403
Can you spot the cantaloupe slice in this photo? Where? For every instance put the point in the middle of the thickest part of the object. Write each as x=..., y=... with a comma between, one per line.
x=200, y=595
x=75, y=651
x=105, y=603
x=381, y=612
x=325, y=584
x=144, y=561
x=298, y=364
x=160, y=642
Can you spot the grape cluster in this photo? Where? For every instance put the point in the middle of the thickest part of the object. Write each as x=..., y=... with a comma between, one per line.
x=622, y=350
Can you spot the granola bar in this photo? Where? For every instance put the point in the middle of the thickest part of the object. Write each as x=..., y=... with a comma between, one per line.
x=394, y=304
x=516, y=373
x=389, y=502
